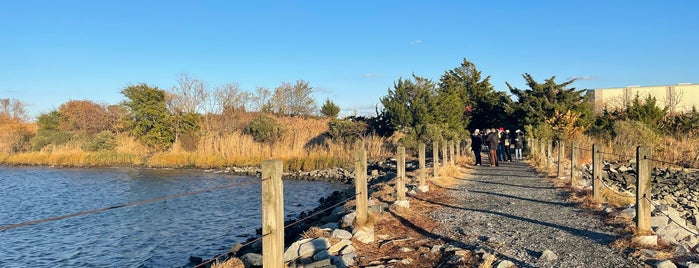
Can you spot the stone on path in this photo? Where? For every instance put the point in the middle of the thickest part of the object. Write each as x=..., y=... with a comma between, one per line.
x=665, y=264
x=548, y=256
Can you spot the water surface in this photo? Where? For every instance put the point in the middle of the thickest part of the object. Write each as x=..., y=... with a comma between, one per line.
x=162, y=234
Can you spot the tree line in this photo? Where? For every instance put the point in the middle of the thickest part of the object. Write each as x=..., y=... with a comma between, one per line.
x=415, y=109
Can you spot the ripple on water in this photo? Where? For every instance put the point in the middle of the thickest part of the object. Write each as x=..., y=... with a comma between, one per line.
x=162, y=234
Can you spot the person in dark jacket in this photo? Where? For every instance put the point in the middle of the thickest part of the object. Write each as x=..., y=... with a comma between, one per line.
x=518, y=141
x=476, y=144
x=492, y=142
x=506, y=141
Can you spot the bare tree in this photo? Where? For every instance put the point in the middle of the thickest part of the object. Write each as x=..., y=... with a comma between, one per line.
x=189, y=96
x=12, y=109
x=294, y=99
x=261, y=100
x=230, y=98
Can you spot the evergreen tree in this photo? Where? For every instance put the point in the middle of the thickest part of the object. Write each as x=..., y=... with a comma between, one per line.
x=330, y=109
x=149, y=115
x=410, y=103
x=542, y=101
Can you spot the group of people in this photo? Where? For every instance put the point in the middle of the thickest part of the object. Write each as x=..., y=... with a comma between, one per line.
x=499, y=144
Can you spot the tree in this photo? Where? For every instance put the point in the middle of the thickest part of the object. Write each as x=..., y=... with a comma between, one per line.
x=410, y=103
x=330, y=109
x=149, y=115
x=83, y=116
x=542, y=101
x=293, y=100
x=646, y=111
x=189, y=95
x=467, y=100
x=261, y=100
x=15, y=133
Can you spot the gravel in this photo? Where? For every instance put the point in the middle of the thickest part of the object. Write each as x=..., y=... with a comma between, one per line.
x=512, y=212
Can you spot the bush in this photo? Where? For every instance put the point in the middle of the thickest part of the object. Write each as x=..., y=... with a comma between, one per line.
x=630, y=133
x=264, y=129
x=46, y=137
x=347, y=131
x=104, y=141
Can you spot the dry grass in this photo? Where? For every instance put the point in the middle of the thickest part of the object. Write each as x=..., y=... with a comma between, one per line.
x=314, y=232
x=487, y=261
x=229, y=263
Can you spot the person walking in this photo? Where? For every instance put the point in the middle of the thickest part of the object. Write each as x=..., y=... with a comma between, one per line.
x=501, y=147
x=506, y=141
x=492, y=142
x=476, y=144
x=519, y=144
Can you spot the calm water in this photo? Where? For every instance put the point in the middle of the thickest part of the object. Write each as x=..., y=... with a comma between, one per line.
x=162, y=234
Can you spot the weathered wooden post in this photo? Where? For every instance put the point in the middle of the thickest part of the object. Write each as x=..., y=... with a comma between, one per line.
x=421, y=176
x=643, y=190
x=573, y=161
x=596, y=172
x=548, y=157
x=561, y=146
x=452, y=152
x=445, y=157
x=360, y=186
x=435, y=159
x=362, y=231
x=272, y=214
x=401, y=200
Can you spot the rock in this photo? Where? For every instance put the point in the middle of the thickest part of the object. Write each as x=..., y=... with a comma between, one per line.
x=548, y=256
x=348, y=220
x=334, y=249
x=312, y=247
x=672, y=233
x=664, y=264
x=292, y=252
x=691, y=241
x=252, y=260
x=378, y=208
x=658, y=221
x=348, y=259
x=321, y=255
x=423, y=188
x=235, y=248
x=402, y=203
x=404, y=249
x=320, y=264
x=347, y=250
x=341, y=234
x=436, y=248
x=505, y=264
x=692, y=265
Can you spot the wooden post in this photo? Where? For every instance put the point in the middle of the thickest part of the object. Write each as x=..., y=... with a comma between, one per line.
x=542, y=153
x=360, y=186
x=272, y=214
x=435, y=159
x=401, y=200
x=452, y=152
x=643, y=190
x=421, y=159
x=445, y=157
x=400, y=185
x=559, y=171
x=596, y=172
x=548, y=157
x=573, y=161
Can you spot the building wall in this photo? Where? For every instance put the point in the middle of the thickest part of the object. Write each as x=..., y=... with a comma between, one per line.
x=679, y=98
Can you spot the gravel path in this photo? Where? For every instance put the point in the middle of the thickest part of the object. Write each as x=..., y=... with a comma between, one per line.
x=511, y=211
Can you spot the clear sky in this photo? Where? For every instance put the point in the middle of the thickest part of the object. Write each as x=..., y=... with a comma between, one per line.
x=349, y=51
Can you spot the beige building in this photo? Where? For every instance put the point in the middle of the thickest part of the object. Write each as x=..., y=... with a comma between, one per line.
x=678, y=98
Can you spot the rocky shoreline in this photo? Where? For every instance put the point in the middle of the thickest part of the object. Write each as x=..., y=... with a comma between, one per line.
x=675, y=200
x=333, y=244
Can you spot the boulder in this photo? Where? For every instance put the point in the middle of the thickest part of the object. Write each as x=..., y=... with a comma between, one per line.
x=505, y=264
x=334, y=249
x=252, y=260
x=341, y=234
x=348, y=220
x=664, y=264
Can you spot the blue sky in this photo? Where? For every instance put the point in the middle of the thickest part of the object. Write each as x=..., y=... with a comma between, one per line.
x=349, y=51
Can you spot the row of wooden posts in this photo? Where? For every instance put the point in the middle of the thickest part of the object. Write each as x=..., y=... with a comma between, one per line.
x=542, y=149
x=273, y=195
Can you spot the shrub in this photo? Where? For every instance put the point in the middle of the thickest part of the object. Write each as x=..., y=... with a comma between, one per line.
x=346, y=130
x=46, y=137
x=104, y=141
x=264, y=129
